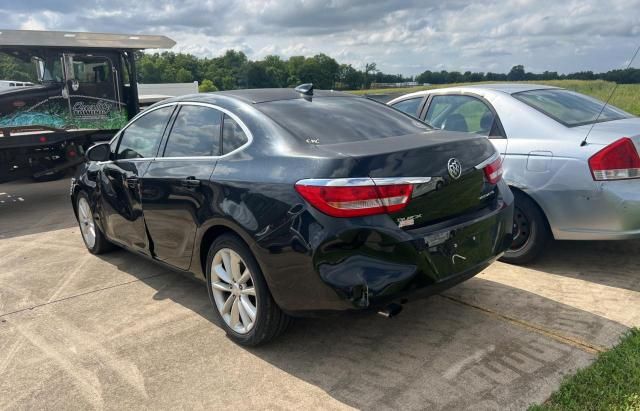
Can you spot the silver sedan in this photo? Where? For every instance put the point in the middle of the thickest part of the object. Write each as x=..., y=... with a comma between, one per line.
x=567, y=186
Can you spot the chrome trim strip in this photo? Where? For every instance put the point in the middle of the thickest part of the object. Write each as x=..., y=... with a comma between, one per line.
x=362, y=181
x=244, y=128
x=488, y=161
x=384, y=181
x=137, y=116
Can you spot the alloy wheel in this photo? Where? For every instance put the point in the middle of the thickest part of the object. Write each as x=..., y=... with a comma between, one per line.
x=87, y=225
x=521, y=229
x=233, y=291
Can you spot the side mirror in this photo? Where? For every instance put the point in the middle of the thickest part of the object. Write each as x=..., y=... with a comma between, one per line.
x=73, y=85
x=98, y=152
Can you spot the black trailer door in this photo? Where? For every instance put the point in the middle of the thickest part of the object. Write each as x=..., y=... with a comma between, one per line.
x=93, y=91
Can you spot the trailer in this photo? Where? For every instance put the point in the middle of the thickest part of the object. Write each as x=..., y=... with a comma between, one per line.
x=81, y=94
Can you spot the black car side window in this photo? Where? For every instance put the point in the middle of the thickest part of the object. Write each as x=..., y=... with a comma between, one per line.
x=232, y=135
x=195, y=133
x=142, y=138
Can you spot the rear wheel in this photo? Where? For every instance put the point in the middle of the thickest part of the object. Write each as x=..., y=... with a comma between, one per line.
x=239, y=294
x=93, y=238
x=531, y=233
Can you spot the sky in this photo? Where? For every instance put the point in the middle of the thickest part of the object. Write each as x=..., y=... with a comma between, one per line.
x=400, y=36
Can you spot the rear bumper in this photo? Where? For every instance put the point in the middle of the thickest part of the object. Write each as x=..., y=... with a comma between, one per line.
x=367, y=267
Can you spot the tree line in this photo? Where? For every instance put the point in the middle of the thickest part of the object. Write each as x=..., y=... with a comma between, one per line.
x=518, y=73
x=234, y=70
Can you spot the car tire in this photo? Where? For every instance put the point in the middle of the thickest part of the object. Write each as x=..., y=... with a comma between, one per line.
x=92, y=236
x=228, y=298
x=530, y=230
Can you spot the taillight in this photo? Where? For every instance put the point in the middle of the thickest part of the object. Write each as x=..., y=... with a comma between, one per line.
x=493, y=171
x=617, y=161
x=355, y=197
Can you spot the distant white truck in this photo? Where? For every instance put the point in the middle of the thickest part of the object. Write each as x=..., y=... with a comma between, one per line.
x=149, y=94
x=13, y=83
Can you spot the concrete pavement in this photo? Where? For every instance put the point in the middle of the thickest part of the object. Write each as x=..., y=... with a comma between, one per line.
x=79, y=331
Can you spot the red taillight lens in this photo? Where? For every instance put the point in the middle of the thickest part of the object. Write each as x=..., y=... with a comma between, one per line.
x=493, y=172
x=355, y=199
x=617, y=161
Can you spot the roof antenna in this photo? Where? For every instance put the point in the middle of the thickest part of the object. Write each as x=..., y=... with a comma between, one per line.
x=306, y=89
x=584, y=142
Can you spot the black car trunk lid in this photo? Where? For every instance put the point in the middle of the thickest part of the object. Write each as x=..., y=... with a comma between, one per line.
x=449, y=192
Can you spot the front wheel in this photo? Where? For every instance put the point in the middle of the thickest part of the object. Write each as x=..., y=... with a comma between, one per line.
x=531, y=232
x=239, y=294
x=93, y=238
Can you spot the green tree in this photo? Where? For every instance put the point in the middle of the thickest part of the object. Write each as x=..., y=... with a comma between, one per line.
x=277, y=70
x=183, y=76
x=368, y=68
x=517, y=73
x=207, y=86
x=349, y=77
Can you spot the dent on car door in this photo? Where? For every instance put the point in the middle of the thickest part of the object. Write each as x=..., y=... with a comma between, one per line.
x=120, y=199
x=176, y=193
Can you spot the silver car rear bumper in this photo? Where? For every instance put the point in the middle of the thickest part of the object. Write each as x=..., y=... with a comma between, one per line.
x=611, y=212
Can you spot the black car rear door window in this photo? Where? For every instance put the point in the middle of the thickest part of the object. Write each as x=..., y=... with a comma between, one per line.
x=233, y=136
x=142, y=138
x=195, y=133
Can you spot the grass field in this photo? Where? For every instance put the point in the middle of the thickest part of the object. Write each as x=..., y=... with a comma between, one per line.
x=610, y=383
x=626, y=97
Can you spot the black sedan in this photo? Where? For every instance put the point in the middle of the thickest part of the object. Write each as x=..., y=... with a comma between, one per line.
x=291, y=202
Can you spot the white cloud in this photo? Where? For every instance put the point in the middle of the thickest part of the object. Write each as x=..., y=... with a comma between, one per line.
x=406, y=36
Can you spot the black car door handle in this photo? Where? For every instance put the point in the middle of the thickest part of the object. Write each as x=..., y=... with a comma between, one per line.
x=132, y=182
x=190, y=182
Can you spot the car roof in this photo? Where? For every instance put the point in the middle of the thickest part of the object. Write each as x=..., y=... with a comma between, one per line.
x=264, y=95
x=488, y=88
x=231, y=98
x=509, y=88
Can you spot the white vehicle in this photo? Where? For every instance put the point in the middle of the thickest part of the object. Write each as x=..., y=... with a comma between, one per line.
x=567, y=186
x=13, y=83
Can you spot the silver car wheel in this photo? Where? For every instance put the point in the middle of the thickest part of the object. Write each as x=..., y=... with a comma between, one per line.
x=233, y=291
x=87, y=225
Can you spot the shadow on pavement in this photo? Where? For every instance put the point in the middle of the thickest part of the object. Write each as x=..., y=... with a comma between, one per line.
x=438, y=353
x=28, y=207
x=610, y=263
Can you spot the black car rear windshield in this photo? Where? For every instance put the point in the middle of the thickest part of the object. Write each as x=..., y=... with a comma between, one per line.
x=329, y=120
x=570, y=108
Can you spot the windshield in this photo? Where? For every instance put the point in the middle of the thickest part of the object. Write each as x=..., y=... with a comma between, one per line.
x=329, y=120
x=570, y=108
x=35, y=67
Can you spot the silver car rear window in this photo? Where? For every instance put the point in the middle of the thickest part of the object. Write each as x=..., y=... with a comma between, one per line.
x=570, y=108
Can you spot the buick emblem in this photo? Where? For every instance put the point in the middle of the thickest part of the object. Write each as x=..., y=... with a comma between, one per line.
x=455, y=168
